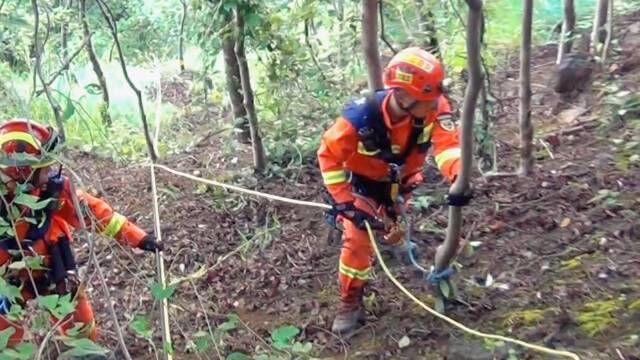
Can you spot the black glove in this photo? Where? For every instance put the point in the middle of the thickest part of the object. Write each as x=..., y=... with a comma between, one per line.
x=358, y=217
x=149, y=244
x=460, y=199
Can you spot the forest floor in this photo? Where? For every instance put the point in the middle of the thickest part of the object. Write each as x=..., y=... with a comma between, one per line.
x=556, y=260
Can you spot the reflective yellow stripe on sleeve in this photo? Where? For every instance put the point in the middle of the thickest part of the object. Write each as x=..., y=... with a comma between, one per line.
x=354, y=273
x=449, y=154
x=334, y=177
x=114, y=226
x=425, y=135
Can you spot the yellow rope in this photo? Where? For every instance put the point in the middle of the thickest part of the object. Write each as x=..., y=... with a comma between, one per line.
x=404, y=290
x=453, y=322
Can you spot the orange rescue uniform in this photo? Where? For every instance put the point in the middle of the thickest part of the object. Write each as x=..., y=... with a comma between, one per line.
x=60, y=222
x=342, y=155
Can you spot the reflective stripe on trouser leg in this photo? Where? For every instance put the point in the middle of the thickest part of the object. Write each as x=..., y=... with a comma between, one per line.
x=355, y=259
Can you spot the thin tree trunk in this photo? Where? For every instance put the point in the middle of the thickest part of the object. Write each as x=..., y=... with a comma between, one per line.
x=113, y=26
x=181, y=40
x=370, y=43
x=568, y=29
x=234, y=88
x=64, y=37
x=426, y=29
x=340, y=16
x=607, y=42
x=259, y=158
x=97, y=69
x=598, y=34
x=57, y=113
x=445, y=252
x=526, y=128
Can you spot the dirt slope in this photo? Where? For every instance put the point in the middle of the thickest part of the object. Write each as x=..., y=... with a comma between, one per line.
x=565, y=267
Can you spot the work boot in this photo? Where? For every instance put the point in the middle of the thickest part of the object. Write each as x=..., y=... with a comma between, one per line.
x=349, y=318
x=350, y=314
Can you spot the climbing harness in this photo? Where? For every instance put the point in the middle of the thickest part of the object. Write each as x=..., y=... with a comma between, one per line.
x=435, y=313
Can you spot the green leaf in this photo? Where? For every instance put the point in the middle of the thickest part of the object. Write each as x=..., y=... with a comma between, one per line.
x=160, y=293
x=25, y=350
x=445, y=289
x=201, y=340
x=66, y=306
x=31, y=201
x=5, y=335
x=302, y=348
x=48, y=302
x=282, y=335
x=140, y=326
x=16, y=313
x=237, y=356
x=83, y=347
x=230, y=324
x=252, y=20
x=18, y=265
x=34, y=262
x=168, y=348
x=93, y=89
x=69, y=110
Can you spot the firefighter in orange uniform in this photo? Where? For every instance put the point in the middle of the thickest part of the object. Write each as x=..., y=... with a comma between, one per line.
x=374, y=153
x=27, y=162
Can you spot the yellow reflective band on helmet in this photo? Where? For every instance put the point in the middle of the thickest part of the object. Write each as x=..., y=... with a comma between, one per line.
x=354, y=273
x=21, y=136
x=425, y=135
x=449, y=154
x=362, y=150
x=114, y=226
x=334, y=177
x=417, y=61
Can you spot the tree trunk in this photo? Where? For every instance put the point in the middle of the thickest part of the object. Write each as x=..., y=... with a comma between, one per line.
x=97, y=69
x=38, y=49
x=426, y=29
x=234, y=88
x=598, y=34
x=64, y=37
x=526, y=128
x=181, y=40
x=568, y=29
x=259, y=159
x=445, y=252
x=607, y=42
x=340, y=15
x=370, y=43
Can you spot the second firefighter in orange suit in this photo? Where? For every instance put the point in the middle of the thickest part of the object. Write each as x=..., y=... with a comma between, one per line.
x=27, y=161
x=376, y=151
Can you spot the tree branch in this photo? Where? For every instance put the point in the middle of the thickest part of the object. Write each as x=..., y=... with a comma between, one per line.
x=38, y=69
x=108, y=16
x=311, y=52
x=65, y=66
x=382, y=34
x=2, y=4
x=97, y=69
x=446, y=251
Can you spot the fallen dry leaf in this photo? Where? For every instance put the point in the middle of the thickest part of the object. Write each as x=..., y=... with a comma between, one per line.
x=565, y=222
